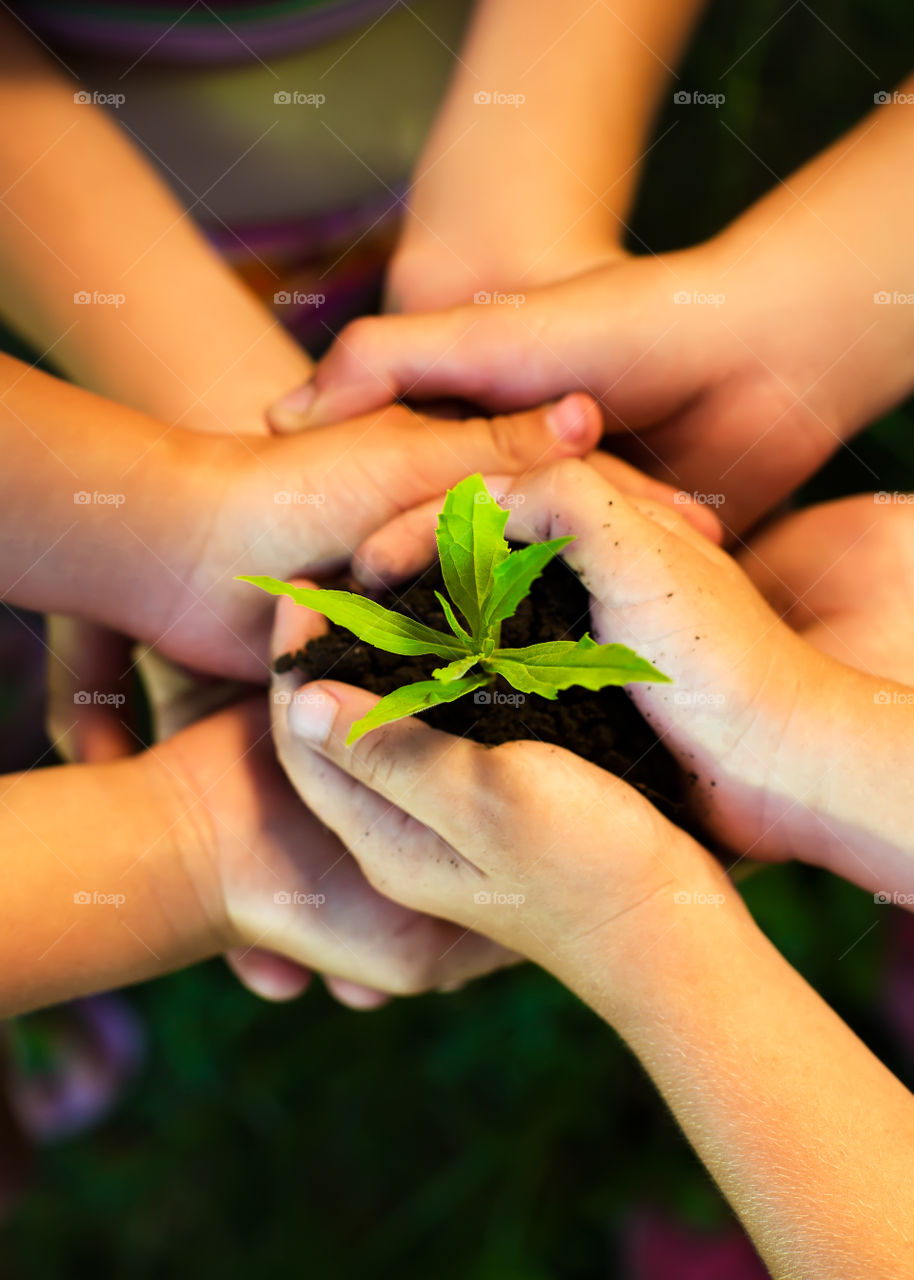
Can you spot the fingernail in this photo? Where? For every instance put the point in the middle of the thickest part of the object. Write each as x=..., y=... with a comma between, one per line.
x=312, y=713
x=567, y=420
x=294, y=406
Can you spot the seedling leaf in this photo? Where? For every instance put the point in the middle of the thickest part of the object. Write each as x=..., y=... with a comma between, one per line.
x=514, y=577
x=410, y=699
x=559, y=664
x=471, y=544
x=367, y=619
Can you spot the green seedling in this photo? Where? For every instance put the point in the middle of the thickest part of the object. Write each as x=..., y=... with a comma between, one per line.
x=486, y=582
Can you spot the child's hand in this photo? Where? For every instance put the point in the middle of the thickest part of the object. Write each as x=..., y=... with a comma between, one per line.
x=480, y=835
x=740, y=365
x=282, y=883
x=772, y=733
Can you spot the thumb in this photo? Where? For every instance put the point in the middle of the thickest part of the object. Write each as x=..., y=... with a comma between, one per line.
x=480, y=354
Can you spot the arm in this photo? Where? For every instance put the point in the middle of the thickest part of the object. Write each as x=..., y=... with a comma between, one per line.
x=115, y=873
x=741, y=364
x=807, y=1134
x=778, y=738
x=85, y=213
x=514, y=194
x=107, y=514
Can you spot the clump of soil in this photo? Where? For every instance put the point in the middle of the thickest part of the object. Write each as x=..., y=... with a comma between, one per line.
x=603, y=727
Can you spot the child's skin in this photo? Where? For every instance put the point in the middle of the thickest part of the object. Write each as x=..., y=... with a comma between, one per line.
x=198, y=509
x=745, y=398
x=778, y=1097
x=508, y=197
x=181, y=851
x=777, y=727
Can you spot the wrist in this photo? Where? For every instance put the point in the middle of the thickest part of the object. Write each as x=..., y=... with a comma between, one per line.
x=185, y=871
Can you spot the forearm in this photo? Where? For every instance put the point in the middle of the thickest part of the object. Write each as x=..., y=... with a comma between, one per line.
x=851, y=807
x=544, y=187
x=831, y=244
x=97, y=883
x=807, y=1134
x=168, y=327
x=95, y=501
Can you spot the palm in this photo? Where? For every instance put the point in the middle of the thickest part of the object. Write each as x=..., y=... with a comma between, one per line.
x=289, y=885
x=842, y=575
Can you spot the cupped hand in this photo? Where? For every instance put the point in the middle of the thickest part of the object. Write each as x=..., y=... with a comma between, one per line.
x=282, y=892
x=696, y=381
x=302, y=504
x=547, y=854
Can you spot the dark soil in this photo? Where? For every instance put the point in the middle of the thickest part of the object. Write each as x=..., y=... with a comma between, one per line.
x=603, y=727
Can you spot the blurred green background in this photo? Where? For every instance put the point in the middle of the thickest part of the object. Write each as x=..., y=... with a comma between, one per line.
x=501, y=1133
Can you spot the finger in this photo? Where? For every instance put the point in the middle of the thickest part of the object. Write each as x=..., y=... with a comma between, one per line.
x=354, y=996
x=470, y=352
x=428, y=775
x=637, y=484
x=268, y=975
x=406, y=545
x=443, y=452
x=88, y=691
